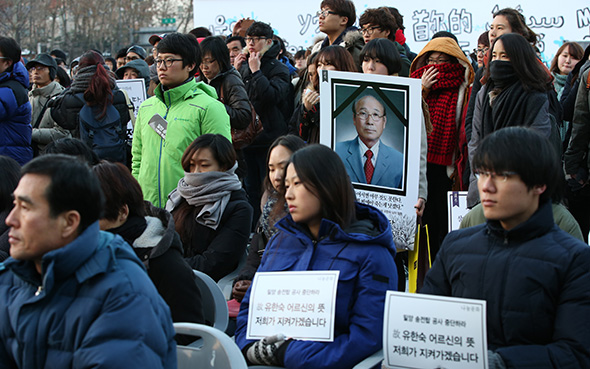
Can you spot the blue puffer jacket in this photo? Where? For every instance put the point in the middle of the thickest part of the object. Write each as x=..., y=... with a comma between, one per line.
x=95, y=307
x=364, y=255
x=15, y=114
x=536, y=281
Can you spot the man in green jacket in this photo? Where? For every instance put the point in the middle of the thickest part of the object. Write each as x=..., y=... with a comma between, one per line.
x=181, y=110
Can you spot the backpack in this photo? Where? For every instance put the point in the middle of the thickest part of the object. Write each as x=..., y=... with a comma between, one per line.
x=106, y=137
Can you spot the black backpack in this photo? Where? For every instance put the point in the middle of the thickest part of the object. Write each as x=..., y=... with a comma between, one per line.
x=106, y=136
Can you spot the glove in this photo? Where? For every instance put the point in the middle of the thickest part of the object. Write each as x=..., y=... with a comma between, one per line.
x=263, y=352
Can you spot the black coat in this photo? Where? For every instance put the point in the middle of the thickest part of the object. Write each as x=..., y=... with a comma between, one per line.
x=234, y=97
x=535, y=281
x=218, y=252
x=271, y=92
x=160, y=249
x=65, y=110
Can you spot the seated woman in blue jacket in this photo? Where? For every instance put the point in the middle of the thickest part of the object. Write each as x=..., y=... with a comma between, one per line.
x=327, y=230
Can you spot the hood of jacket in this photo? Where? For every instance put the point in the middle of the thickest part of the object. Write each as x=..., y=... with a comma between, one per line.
x=448, y=46
x=185, y=91
x=160, y=233
x=370, y=227
x=139, y=65
x=352, y=37
x=18, y=73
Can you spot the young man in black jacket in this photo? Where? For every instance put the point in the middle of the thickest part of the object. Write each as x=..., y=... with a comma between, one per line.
x=533, y=275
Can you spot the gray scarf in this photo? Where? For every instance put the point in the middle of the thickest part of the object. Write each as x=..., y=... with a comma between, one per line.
x=209, y=190
x=83, y=77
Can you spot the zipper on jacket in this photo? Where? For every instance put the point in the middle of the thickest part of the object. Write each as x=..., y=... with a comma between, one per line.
x=160, y=154
x=39, y=290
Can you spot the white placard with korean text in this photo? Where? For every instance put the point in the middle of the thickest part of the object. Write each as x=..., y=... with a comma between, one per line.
x=135, y=89
x=300, y=305
x=428, y=331
x=457, y=206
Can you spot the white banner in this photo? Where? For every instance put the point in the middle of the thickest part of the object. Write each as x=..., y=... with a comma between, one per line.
x=300, y=305
x=427, y=331
x=297, y=22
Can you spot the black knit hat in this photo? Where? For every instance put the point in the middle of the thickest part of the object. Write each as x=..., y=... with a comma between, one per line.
x=46, y=60
x=138, y=50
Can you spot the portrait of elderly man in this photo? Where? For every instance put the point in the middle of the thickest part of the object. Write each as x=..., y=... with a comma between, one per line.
x=366, y=158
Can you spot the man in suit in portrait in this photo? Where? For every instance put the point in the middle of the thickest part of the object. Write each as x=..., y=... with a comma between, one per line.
x=366, y=158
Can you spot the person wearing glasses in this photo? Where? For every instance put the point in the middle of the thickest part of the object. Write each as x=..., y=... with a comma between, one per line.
x=380, y=23
x=181, y=110
x=270, y=91
x=533, y=275
x=336, y=19
x=366, y=158
x=42, y=72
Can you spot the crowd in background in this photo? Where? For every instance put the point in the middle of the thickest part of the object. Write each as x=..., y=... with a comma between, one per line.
x=187, y=191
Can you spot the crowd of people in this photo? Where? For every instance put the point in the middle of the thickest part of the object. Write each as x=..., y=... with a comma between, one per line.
x=224, y=161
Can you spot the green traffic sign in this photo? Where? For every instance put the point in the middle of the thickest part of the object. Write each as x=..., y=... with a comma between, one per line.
x=168, y=20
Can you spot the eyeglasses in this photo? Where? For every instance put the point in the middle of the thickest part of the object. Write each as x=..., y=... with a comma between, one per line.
x=437, y=61
x=130, y=58
x=496, y=177
x=4, y=57
x=325, y=13
x=254, y=39
x=481, y=51
x=167, y=62
x=369, y=31
x=208, y=63
x=363, y=115
x=38, y=68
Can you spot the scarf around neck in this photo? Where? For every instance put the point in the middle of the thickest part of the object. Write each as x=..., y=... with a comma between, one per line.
x=442, y=105
x=210, y=191
x=511, y=106
x=82, y=79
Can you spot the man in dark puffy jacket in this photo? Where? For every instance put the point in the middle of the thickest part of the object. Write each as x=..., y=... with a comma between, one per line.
x=72, y=296
x=15, y=109
x=533, y=275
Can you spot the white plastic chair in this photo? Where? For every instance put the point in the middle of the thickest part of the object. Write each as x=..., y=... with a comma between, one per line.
x=214, y=303
x=371, y=362
x=217, y=351
x=226, y=283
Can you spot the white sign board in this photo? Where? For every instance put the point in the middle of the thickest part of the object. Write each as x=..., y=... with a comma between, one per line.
x=297, y=22
x=300, y=305
x=135, y=89
x=393, y=188
x=427, y=331
x=457, y=206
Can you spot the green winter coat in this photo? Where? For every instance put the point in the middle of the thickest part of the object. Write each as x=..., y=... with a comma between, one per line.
x=191, y=110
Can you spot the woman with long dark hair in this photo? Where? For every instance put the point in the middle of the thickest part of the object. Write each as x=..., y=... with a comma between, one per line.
x=218, y=72
x=327, y=230
x=210, y=208
x=515, y=95
x=307, y=114
x=273, y=208
x=98, y=89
